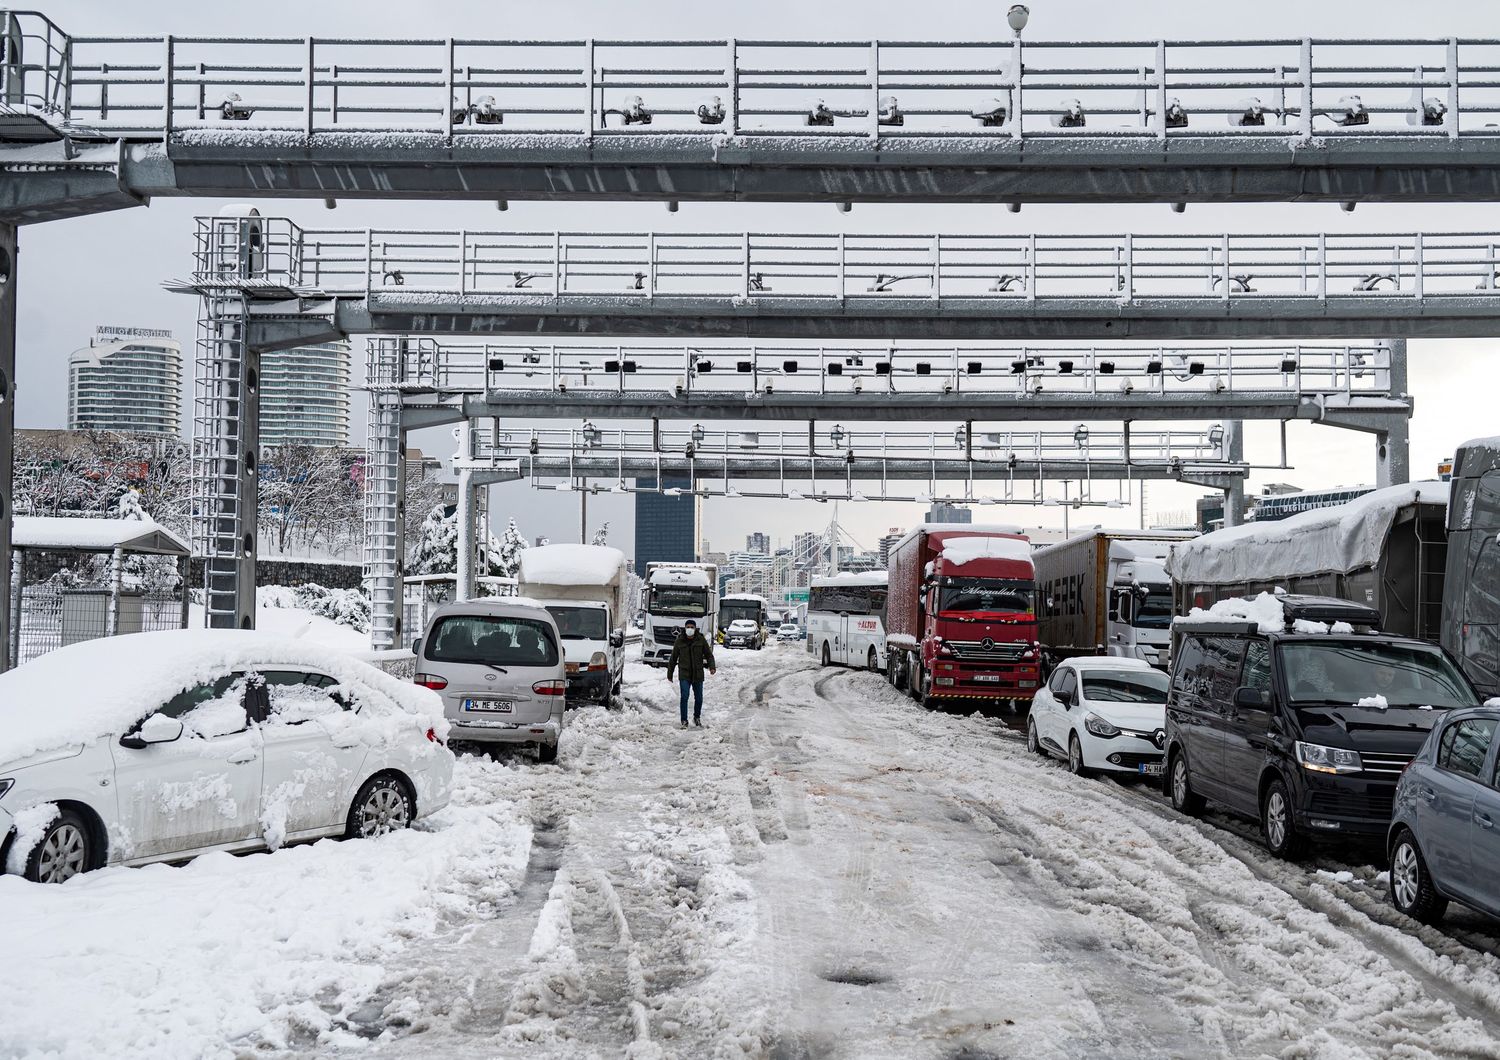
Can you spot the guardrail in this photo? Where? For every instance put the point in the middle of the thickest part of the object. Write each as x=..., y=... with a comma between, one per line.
x=1002, y=89
x=422, y=268
x=1293, y=370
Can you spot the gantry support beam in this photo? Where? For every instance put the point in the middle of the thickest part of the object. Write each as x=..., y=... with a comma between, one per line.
x=9, y=609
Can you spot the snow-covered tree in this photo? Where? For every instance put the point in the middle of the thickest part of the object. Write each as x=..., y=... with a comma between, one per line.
x=436, y=551
x=129, y=507
x=309, y=500
x=505, y=558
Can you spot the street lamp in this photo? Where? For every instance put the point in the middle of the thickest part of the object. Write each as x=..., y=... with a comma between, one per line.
x=1081, y=436
x=1017, y=17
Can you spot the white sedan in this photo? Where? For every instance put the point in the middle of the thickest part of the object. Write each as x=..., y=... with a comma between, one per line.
x=162, y=746
x=1101, y=714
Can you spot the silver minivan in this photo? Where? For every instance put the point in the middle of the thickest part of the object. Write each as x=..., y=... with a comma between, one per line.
x=498, y=665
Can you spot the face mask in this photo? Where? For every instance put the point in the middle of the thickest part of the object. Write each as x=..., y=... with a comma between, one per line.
x=688, y=632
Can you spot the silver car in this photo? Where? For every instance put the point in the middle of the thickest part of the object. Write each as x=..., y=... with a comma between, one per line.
x=498, y=666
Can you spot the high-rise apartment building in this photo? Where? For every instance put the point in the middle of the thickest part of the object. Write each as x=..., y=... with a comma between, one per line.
x=126, y=379
x=887, y=543
x=758, y=542
x=304, y=395
x=666, y=528
x=943, y=512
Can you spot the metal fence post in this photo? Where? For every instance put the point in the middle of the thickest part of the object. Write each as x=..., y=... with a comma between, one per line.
x=1417, y=259
x=1016, y=129
x=1305, y=75
x=308, y=101
x=1161, y=89
x=732, y=83
x=588, y=77
x=116, y=581
x=16, y=603
x=1452, y=72
x=167, y=81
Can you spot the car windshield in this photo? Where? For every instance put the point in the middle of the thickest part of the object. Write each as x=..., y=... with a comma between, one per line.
x=1125, y=686
x=1155, y=610
x=1393, y=675
x=985, y=594
x=580, y=623
x=671, y=600
x=493, y=640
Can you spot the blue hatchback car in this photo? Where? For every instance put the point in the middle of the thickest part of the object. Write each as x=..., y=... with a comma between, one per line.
x=1445, y=832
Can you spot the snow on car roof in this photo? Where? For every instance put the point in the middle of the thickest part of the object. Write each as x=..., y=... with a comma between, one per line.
x=571, y=565
x=102, y=687
x=1340, y=539
x=1106, y=662
x=1264, y=611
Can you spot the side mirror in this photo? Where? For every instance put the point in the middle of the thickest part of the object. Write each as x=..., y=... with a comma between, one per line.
x=416, y=647
x=1252, y=698
x=158, y=728
x=617, y=639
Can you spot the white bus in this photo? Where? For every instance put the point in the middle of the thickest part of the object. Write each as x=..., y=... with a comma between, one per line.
x=846, y=620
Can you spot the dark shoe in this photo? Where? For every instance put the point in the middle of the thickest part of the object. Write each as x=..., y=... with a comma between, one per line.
x=698, y=722
x=684, y=725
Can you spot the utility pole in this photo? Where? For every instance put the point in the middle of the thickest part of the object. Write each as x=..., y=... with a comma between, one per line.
x=583, y=512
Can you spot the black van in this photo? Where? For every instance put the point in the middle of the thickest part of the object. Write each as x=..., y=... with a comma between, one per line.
x=1307, y=728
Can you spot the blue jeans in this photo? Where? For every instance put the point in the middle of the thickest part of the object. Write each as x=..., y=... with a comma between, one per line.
x=696, y=687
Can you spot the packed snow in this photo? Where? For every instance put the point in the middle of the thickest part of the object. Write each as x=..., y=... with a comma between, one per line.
x=95, y=535
x=1378, y=702
x=572, y=565
x=30, y=824
x=1265, y=610
x=963, y=550
x=826, y=870
x=1341, y=539
x=111, y=683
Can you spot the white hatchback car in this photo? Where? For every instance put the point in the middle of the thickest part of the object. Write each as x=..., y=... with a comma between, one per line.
x=1103, y=714
x=162, y=746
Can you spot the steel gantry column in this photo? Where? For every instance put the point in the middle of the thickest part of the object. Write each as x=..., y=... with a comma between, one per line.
x=1393, y=445
x=385, y=515
x=1234, y=493
x=7, y=430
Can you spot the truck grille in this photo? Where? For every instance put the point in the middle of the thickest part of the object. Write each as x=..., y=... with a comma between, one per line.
x=1386, y=765
x=988, y=651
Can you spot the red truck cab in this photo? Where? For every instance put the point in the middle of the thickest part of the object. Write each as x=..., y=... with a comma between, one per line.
x=961, y=614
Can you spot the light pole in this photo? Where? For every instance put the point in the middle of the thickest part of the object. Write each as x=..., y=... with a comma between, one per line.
x=1016, y=18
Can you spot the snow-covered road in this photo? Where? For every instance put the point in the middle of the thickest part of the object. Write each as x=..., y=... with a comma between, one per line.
x=826, y=871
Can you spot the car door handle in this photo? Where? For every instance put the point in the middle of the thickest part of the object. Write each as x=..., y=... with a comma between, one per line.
x=239, y=758
x=1428, y=794
x=1484, y=820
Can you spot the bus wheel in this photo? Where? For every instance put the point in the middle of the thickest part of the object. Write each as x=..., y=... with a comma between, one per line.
x=827, y=658
x=872, y=662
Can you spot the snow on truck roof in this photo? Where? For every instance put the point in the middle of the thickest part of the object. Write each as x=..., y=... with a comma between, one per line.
x=102, y=687
x=958, y=528
x=746, y=597
x=571, y=565
x=1120, y=537
x=849, y=577
x=968, y=549
x=1340, y=539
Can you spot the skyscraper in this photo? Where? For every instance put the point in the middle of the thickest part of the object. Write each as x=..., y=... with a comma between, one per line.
x=304, y=397
x=943, y=512
x=126, y=379
x=887, y=543
x=758, y=542
x=666, y=528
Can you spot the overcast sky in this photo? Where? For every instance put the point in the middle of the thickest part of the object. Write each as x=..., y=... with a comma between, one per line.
x=108, y=269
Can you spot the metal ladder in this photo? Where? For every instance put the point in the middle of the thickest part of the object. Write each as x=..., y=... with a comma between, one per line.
x=385, y=536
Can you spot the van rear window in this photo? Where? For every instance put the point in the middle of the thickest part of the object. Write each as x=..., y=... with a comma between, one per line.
x=492, y=640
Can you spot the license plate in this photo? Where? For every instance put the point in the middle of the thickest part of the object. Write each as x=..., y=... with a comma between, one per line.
x=987, y=678
x=490, y=706
x=1150, y=769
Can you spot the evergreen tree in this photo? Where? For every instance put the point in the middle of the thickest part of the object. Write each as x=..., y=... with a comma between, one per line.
x=436, y=551
x=506, y=555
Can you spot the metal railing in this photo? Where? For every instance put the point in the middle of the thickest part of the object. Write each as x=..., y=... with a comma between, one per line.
x=614, y=269
x=1005, y=90
x=1292, y=370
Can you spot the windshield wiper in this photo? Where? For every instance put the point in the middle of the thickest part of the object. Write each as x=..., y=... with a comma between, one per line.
x=495, y=666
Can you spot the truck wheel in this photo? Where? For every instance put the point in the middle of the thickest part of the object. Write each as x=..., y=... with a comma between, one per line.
x=925, y=697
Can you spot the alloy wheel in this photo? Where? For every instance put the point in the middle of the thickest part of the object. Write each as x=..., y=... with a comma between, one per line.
x=1075, y=755
x=1179, y=780
x=1276, y=819
x=1405, y=876
x=64, y=854
x=384, y=811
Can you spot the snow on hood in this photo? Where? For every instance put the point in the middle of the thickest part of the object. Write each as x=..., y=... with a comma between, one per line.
x=1264, y=610
x=1341, y=539
x=959, y=551
x=103, y=687
x=571, y=565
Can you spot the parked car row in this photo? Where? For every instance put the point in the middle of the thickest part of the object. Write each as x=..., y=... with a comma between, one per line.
x=1298, y=713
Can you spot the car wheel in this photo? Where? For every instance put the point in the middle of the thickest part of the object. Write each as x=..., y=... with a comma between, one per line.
x=1075, y=758
x=63, y=852
x=382, y=806
x=1180, y=787
x=546, y=752
x=1282, y=838
x=872, y=662
x=1411, y=886
x=1033, y=741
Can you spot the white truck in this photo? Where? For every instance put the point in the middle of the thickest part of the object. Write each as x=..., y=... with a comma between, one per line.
x=676, y=592
x=1106, y=592
x=584, y=588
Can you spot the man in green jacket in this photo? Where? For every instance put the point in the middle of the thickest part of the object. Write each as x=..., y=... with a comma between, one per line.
x=692, y=654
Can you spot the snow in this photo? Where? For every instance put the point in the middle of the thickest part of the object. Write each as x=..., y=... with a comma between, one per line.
x=30, y=824
x=1308, y=626
x=900, y=640
x=96, y=535
x=1264, y=610
x=958, y=528
x=111, y=683
x=849, y=577
x=1378, y=702
x=572, y=565
x=1341, y=539
x=964, y=550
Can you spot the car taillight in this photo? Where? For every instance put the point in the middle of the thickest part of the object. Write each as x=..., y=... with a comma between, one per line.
x=433, y=736
x=432, y=681
x=550, y=688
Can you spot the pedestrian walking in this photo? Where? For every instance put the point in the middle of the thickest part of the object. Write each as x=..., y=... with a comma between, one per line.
x=692, y=657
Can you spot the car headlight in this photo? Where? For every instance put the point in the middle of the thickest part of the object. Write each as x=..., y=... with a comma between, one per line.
x=1322, y=759
x=1099, y=727
x=6, y=785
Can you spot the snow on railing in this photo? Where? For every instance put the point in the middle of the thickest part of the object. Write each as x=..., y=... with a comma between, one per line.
x=432, y=266
x=1291, y=370
x=154, y=87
